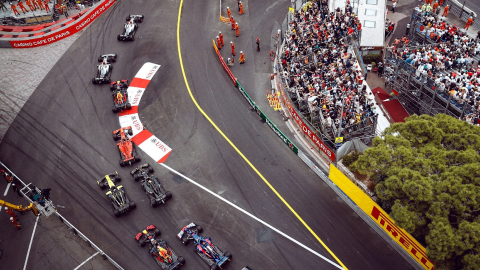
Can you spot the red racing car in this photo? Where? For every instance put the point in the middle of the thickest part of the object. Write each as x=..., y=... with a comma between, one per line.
x=128, y=153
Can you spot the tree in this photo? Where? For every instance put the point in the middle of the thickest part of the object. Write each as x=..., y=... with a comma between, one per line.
x=427, y=172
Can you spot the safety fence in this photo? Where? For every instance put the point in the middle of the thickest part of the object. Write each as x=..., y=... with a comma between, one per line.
x=68, y=224
x=462, y=12
x=255, y=108
x=56, y=33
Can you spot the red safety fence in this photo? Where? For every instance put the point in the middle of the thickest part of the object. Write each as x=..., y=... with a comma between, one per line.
x=234, y=80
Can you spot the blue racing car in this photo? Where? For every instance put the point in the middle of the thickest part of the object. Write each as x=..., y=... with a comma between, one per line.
x=204, y=247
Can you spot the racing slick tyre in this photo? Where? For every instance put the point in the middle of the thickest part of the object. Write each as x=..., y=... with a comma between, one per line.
x=117, y=178
x=128, y=18
x=214, y=267
x=116, y=137
x=100, y=59
x=150, y=169
x=122, y=164
x=137, y=158
x=141, y=242
x=130, y=132
x=102, y=185
x=157, y=232
x=168, y=194
x=181, y=260
x=185, y=242
x=153, y=202
x=199, y=229
x=128, y=106
x=131, y=38
x=133, y=205
x=114, y=109
x=119, y=38
x=112, y=87
x=228, y=255
x=117, y=213
x=94, y=81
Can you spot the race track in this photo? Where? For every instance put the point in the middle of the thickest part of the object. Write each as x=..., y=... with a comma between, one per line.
x=62, y=139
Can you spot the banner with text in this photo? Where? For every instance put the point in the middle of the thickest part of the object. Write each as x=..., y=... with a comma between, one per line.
x=375, y=212
x=80, y=24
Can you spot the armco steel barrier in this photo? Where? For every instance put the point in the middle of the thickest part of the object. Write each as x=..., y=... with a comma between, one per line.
x=74, y=230
x=255, y=108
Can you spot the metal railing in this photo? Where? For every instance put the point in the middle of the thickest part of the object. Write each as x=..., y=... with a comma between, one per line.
x=66, y=222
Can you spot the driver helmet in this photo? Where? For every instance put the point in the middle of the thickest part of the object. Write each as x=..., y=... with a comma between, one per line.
x=153, y=241
x=118, y=82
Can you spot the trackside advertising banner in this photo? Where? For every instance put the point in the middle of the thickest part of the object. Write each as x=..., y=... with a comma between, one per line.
x=403, y=239
x=143, y=138
x=80, y=24
x=306, y=130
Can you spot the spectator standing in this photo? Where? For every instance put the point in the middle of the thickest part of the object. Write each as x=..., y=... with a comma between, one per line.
x=240, y=8
x=242, y=58
x=233, y=47
x=394, y=5
x=11, y=213
x=221, y=38
x=15, y=223
x=16, y=190
x=46, y=193
x=445, y=11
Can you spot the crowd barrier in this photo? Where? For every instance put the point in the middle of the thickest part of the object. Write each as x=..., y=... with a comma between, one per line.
x=255, y=108
x=60, y=33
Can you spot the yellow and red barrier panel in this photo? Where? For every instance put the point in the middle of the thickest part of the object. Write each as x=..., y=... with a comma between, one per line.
x=230, y=74
x=375, y=212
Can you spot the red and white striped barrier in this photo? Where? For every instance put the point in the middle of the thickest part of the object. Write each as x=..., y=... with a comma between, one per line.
x=143, y=138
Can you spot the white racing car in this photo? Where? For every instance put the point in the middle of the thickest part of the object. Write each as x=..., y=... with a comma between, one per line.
x=130, y=27
x=104, y=70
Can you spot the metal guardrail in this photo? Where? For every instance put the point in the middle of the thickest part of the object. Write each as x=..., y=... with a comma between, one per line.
x=463, y=12
x=66, y=222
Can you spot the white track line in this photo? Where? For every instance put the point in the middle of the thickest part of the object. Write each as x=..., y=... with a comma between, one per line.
x=87, y=260
x=31, y=241
x=6, y=190
x=252, y=216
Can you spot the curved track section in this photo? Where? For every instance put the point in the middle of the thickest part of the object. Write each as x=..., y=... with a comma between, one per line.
x=62, y=139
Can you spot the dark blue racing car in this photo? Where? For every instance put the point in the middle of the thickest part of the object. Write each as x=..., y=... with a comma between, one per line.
x=204, y=247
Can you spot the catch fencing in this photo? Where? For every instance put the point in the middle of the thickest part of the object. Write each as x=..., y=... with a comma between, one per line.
x=462, y=12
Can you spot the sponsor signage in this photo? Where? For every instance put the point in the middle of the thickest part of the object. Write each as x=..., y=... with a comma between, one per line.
x=383, y=220
x=80, y=24
x=306, y=130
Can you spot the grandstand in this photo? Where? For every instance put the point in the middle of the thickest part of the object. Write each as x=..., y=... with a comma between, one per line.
x=322, y=75
x=438, y=72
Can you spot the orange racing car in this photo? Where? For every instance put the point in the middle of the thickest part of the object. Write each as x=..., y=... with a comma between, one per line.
x=128, y=153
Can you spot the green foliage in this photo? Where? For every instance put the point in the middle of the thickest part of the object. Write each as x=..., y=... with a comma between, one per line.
x=369, y=58
x=427, y=172
x=347, y=160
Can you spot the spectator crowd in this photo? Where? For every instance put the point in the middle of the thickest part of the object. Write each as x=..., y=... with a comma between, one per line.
x=449, y=65
x=320, y=70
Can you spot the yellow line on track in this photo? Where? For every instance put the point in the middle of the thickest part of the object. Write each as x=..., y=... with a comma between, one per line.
x=235, y=147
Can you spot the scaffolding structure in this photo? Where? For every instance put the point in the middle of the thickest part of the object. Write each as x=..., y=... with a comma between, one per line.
x=419, y=94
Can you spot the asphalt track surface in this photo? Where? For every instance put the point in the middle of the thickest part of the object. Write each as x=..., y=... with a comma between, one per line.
x=62, y=139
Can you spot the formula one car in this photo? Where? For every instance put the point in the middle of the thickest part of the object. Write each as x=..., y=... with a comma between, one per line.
x=164, y=255
x=104, y=70
x=120, y=96
x=151, y=185
x=204, y=247
x=144, y=236
x=130, y=27
x=116, y=194
x=126, y=148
